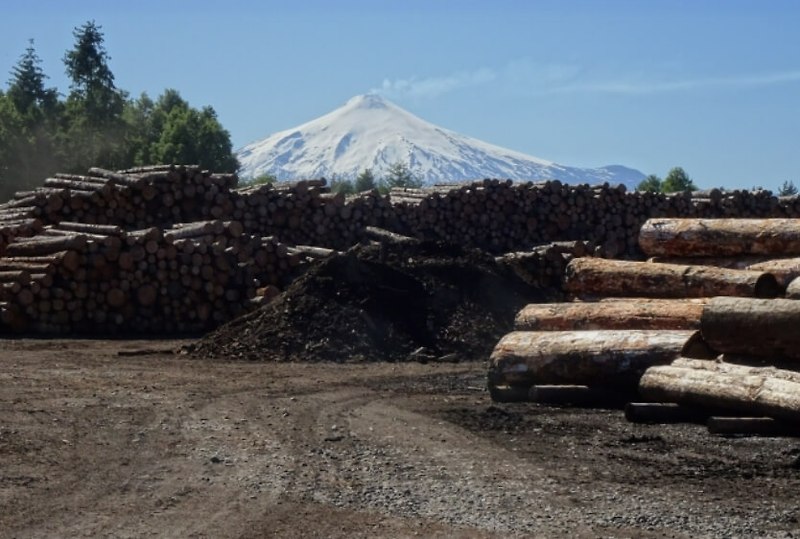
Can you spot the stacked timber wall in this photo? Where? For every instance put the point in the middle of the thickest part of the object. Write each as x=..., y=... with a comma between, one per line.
x=166, y=249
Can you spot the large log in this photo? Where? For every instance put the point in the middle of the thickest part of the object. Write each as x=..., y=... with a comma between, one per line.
x=793, y=290
x=749, y=326
x=46, y=245
x=753, y=391
x=784, y=269
x=629, y=313
x=612, y=358
x=720, y=237
x=601, y=277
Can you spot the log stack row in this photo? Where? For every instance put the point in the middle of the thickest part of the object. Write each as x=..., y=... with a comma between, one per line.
x=78, y=278
x=501, y=216
x=747, y=368
x=740, y=361
x=306, y=213
x=496, y=215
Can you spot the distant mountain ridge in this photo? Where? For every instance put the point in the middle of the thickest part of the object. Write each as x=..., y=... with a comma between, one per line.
x=371, y=132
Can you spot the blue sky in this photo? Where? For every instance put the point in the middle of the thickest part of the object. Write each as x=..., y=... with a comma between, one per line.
x=712, y=86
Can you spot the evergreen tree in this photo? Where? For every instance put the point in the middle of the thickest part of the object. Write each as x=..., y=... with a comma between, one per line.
x=94, y=108
x=26, y=89
x=29, y=122
x=652, y=184
x=399, y=175
x=190, y=136
x=92, y=79
x=365, y=181
x=677, y=180
x=788, y=189
x=345, y=187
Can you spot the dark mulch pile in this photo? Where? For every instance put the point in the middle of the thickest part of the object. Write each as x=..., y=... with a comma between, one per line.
x=422, y=302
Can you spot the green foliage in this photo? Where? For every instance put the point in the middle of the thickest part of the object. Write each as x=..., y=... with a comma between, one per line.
x=97, y=125
x=346, y=187
x=29, y=117
x=194, y=136
x=652, y=184
x=92, y=80
x=365, y=181
x=677, y=181
x=787, y=189
x=399, y=175
x=26, y=89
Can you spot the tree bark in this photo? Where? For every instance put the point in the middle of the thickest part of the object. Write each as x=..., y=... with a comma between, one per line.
x=755, y=327
x=720, y=237
x=613, y=358
x=602, y=277
x=793, y=290
x=629, y=313
x=753, y=391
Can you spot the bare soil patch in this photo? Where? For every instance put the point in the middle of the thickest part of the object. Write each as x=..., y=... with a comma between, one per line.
x=94, y=443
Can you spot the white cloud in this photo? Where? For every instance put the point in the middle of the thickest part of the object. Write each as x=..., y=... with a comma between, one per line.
x=526, y=77
x=434, y=86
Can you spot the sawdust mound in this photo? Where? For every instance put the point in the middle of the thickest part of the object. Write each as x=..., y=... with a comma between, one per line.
x=423, y=302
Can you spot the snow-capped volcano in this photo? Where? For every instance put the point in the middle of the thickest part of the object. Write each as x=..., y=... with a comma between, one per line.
x=372, y=132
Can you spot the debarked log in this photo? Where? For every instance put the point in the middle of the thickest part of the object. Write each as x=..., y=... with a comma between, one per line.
x=41, y=246
x=753, y=391
x=784, y=269
x=603, y=277
x=614, y=358
x=793, y=290
x=628, y=313
x=750, y=326
x=720, y=237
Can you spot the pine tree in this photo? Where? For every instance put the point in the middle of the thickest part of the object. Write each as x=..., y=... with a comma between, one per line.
x=94, y=107
x=651, y=184
x=788, y=189
x=677, y=180
x=26, y=89
x=365, y=181
x=399, y=175
x=29, y=119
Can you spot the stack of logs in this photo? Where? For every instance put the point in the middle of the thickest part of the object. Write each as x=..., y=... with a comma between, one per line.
x=498, y=216
x=518, y=221
x=79, y=278
x=501, y=216
x=705, y=341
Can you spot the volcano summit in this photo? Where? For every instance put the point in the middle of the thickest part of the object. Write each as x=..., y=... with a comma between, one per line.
x=371, y=132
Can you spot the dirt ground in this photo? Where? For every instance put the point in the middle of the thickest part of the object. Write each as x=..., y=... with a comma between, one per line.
x=121, y=439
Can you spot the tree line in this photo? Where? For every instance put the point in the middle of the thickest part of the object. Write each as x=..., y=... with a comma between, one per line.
x=397, y=174
x=96, y=123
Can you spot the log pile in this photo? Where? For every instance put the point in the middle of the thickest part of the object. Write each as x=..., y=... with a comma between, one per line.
x=501, y=216
x=737, y=373
x=537, y=229
x=75, y=278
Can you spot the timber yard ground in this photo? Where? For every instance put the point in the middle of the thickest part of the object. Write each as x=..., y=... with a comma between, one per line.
x=113, y=438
